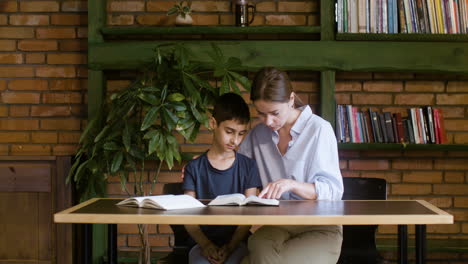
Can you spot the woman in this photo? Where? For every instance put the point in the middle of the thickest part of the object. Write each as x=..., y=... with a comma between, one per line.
x=297, y=157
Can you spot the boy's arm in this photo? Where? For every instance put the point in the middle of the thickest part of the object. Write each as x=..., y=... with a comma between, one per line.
x=250, y=191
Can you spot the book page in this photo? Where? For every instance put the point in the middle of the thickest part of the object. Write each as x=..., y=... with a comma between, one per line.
x=253, y=199
x=228, y=199
x=172, y=202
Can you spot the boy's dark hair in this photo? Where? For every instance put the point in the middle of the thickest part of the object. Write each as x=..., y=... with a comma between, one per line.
x=231, y=106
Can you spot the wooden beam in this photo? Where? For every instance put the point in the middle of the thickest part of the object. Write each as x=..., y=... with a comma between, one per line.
x=327, y=20
x=327, y=96
x=443, y=57
x=118, y=31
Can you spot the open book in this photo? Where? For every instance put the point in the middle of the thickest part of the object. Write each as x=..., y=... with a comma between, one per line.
x=240, y=199
x=164, y=202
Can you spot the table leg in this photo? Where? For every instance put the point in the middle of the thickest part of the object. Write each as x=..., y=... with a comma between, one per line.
x=112, y=243
x=402, y=244
x=87, y=243
x=420, y=244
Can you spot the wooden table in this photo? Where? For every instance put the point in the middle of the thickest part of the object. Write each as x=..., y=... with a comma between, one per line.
x=389, y=212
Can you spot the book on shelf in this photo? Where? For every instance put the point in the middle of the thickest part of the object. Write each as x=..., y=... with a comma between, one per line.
x=422, y=125
x=240, y=199
x=402, y=16
x=163, y=202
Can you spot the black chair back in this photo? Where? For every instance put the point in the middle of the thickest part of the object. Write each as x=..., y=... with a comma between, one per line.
x=359, y=241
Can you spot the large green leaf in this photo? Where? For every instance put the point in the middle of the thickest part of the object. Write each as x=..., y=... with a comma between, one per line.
x=244, y=81
x=175, y=97
x=150, y=118
x=127, y=137
x=111, y=146
x=116, y=162
x=149, y=98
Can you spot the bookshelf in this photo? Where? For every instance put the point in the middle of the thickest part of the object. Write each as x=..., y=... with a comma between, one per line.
x=434, y=53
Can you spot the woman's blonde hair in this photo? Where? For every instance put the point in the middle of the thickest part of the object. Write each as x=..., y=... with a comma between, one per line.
x=271, y=84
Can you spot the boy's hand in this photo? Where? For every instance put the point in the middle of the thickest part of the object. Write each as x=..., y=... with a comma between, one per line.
x=210, y=252
x=224, y=252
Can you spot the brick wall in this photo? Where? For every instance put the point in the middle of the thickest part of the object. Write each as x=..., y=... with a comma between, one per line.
x=42, y=76
x=43, y=100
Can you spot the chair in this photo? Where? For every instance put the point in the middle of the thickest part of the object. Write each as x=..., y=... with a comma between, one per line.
x=182, y=240
x=359, y=241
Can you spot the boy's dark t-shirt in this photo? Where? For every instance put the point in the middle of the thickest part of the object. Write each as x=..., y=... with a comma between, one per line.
x=209, y=182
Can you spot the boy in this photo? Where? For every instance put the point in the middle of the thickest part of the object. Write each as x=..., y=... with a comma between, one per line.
x=221, y=170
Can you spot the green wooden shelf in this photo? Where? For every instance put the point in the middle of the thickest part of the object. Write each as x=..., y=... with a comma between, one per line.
x=403, y=37
x=119, y=31
x=394, y=146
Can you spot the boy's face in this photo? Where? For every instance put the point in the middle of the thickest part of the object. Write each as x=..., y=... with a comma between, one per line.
x=228, y=134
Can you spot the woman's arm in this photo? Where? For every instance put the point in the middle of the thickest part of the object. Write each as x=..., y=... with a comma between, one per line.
x=275, y=189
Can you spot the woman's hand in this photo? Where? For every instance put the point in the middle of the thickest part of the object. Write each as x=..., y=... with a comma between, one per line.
x=275, y=189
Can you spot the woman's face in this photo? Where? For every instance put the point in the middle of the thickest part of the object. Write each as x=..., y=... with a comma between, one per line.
x=273, y=114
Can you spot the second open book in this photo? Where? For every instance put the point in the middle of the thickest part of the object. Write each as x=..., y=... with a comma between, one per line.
x=240, y=199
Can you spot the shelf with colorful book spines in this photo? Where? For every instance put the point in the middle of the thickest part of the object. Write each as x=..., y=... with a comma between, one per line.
x=402, y=146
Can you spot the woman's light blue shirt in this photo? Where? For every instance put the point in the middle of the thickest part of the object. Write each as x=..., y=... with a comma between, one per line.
x=312, y=155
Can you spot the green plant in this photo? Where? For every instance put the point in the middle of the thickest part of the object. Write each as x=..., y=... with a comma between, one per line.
x=182, y=8
x=171, y=95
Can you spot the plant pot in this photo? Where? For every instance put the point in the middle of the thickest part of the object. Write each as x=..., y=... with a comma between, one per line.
x=184, y=21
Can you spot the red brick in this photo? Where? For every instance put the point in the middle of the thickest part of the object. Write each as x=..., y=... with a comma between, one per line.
x=411, y=189
x=16, y=72
x=164, y=229
x=73, y=45
x=424, y=86
x=3, y=19
x=67, y=58
x=64, y=150
x=155, y=241
x=445, y=229
x=11, y=58
x=82, y=32
x=133, y=229
x=39, y=6
x=383, y=86
x=457, y=86
x=452, y=111
x=60, y=124
x=55, y=33
x=211, y=6
x=56, y=71
x=451, y=164
x=122, y=20
x=30, y=150
x=369, y=164
x=29, y=20
x=348, y=86
x=266, y=6
x=285, y=20
x=50, y=111
x=460, y=138
x=371, y=99
x=37, y=45
x=20, y=98
x=343, y=98
x=298, y=7
x=69, y=137
x=61, y=98
x=74, y=6
x=35, y=58
x=126, y=6
x=9, y=6
x=159, y=6
x=117, y=85
x=458, y=214
x=414, y=99
x=423, y=176
x=28, y=85
x=451, y=189
x=7, y=45
x=303, y=86
x=69, y=19
x=4, y=150
x=454, y=176
x=2, y=85
x=379, y=153
x=3, y=110
x=67, y=84
x=44, y=137
x=16, y=32
x=441, y=202
x=452, y=99
x=412, y=164
x=19, y=110
x=155, y=20
x=461, y=202
x=82, y=71
x=14, y=137
x=390, y=177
